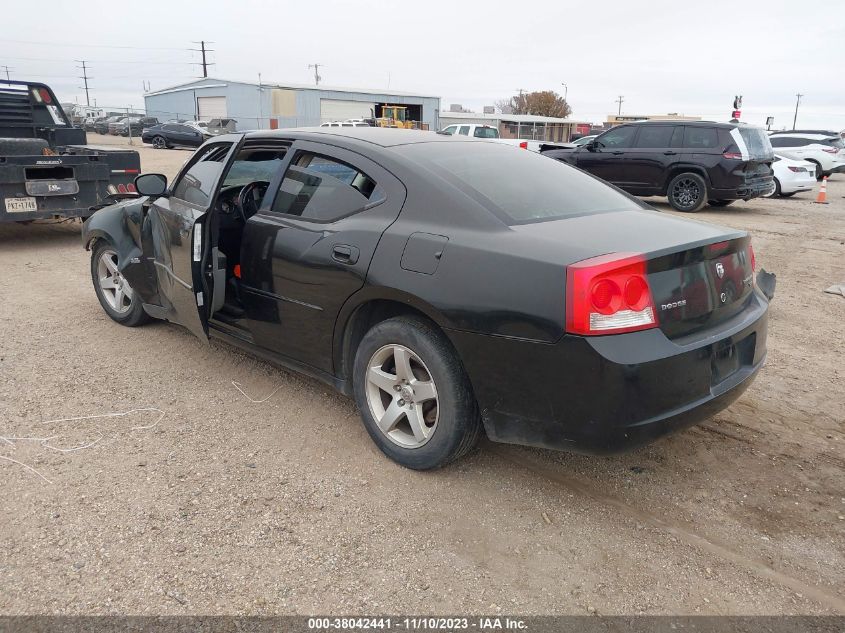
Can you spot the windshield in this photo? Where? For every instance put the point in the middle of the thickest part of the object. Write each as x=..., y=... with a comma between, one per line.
x=517, y=185
x=486, y=132
x=757, y=142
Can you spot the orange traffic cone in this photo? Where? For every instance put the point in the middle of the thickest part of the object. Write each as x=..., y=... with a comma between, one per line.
x=822, y=197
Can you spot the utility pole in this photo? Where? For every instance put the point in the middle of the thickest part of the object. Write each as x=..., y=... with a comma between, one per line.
x=797, y=101
x=129, y=122
x=317, y=77
x=565, y=91
x=260, y=104
x=202, y=49
x=86, y=78
x=619, y=101
x=7, y=72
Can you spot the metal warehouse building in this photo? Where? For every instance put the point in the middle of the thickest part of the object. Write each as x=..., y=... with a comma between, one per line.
x=271, y=105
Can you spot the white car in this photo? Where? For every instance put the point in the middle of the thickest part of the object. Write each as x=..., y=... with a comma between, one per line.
x=489, y=132
x=825, y=151
x=584, y=140
x=350, y=123
x=792, y=176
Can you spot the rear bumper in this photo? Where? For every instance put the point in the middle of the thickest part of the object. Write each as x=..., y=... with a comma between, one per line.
x=608, y=394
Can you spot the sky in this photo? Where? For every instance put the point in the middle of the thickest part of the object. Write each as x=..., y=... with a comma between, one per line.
x=688, y=57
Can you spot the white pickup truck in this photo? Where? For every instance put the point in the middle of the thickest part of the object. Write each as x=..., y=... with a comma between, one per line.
x=489, y=132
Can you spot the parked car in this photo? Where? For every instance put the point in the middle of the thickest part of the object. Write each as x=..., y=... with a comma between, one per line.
x=692, y=163
x=138, y=124
x=115, y=126
x=91, y=123
x=167, y=135
x=102, y=125
x=792, y=176
x=345, y=124
x=824, y=150
x=474, y=130
x=200, y=126
x=452, y=285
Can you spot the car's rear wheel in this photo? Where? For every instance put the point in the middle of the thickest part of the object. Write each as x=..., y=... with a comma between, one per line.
x=687, y=192
x=720, y=203
x=414, y=396
x=159, y=142
x=787, y=195
x=115, y=294
x=819, y=171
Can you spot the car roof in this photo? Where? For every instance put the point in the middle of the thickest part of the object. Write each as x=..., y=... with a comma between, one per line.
x=383, y=137
x=718, y=124
x=808, y=135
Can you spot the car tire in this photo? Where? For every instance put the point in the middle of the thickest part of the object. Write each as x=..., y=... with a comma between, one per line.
x=159, y=142
x=787, y=195
x=720, y=203
x=427, y=408
x=687, y=192
x=111, y=287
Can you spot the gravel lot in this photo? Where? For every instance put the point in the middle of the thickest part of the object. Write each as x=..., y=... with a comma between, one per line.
x=225, y=505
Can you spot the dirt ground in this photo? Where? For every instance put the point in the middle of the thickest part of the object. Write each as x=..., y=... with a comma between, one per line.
x=200, y=501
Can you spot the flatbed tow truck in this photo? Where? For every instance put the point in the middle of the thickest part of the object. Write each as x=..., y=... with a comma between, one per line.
x=47, y=169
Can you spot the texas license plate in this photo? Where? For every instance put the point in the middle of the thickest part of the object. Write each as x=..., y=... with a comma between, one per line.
x=20, y=205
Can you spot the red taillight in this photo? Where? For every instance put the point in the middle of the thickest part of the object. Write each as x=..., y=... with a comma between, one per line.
x=45, y=95
x=608, y=295
x=121, y=188
x=732, y=155
x=796, y=169
x=131, y=188
x=523, y=145
x=753, y=259
x=830, y=150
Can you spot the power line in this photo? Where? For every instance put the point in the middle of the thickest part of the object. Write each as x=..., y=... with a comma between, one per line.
x=78, y=44
x=85, y=78
x=203, y=50
x=96, y=61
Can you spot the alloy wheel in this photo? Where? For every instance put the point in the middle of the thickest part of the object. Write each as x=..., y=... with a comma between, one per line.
x=402, y=396
x=159, y=143
x=686, y=192
x=115, y=289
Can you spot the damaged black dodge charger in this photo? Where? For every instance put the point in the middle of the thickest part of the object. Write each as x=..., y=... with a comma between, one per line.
x=453, y=286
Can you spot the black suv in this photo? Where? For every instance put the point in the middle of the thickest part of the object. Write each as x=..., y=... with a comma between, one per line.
x=692, y=162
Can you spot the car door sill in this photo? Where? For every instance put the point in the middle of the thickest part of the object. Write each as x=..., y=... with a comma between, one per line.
x=216, y=330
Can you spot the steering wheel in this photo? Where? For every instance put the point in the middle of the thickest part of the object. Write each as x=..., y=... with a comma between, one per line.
x=245, y=203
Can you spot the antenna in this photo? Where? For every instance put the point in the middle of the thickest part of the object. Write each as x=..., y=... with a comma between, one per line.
x=317, y=77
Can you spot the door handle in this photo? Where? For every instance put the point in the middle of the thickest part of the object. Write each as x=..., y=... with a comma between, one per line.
x=345, y=254
x=669, y=153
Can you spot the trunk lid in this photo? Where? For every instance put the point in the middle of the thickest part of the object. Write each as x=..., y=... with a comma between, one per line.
x=684, y=259
x=697, y=288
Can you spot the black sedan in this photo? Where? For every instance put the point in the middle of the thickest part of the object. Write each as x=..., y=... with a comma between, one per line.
x=167, y=135
x=453, y=286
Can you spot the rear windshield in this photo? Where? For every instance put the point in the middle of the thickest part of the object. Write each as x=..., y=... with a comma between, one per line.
x=757, y=142
x=486, y=132
x=834, y=142
x=518, y=185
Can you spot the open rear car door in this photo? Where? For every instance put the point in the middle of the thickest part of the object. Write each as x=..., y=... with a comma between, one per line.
x=176, y=230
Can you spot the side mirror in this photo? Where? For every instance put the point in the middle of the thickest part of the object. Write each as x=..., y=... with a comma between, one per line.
x=592, y=146
x=151, y=185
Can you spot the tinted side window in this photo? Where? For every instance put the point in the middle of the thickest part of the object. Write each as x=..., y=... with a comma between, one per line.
x=197, y=184
x=451, y=129
x=701, y=138
x=324, y=189
x=464, y=130
x=618, y=138
x=655, y=136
